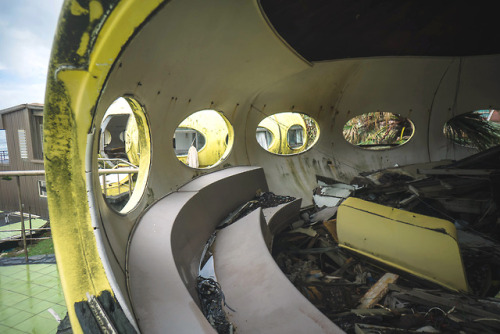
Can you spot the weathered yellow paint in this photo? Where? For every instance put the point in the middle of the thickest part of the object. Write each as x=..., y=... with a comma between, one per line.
x=143, y=147
x=278, y=125
x=72, y=93
x=96, y=10
x=77, y=9
x=84, y=42
x=421, y=245
x=215, y=130
x=132, y=146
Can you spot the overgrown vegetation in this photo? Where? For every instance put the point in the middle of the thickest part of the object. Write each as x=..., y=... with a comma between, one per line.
x=378, y=129
x=311, y=130
x=472, y=129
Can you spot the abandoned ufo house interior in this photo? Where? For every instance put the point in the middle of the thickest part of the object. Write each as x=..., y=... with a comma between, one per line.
x=275, y=166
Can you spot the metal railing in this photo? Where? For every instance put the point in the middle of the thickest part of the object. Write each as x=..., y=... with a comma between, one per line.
x=18, y=174
x=28, y=231
x=117, y=161
x=129, y=171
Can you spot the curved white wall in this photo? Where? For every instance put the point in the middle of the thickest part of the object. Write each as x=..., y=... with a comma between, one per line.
x=194, y=55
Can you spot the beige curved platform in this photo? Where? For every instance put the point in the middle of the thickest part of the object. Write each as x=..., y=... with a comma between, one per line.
x=281, y=216
x=165, y=250
x=166, y=246
x=263, y=298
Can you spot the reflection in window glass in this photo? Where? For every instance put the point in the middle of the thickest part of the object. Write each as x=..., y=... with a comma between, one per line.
x=264, y=137
x=184, y=138
x=295, y=136
x=203, y=139
x=287, y=133
x=112, y=142
x=378, y=130
x=4, y=151
x=476, y=129
x=42, y=188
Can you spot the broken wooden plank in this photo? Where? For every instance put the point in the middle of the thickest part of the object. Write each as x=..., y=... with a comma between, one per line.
x=331, y=226
x=334, y=255
x=369, y=329
x=324, y=214
x=377, y=291
x=425, y=298
x=458, y=171
x=349, y=262
x=306, y=231
x=372, y=312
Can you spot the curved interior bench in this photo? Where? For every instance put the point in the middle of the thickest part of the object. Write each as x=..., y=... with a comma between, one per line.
x=165, y=248
x=263, y=298
x=280, y=217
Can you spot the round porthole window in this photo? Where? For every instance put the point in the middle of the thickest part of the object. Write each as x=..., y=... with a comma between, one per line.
x=287, y=133
x=203, y=139
x=476, y=129
x=378, y=130
x=124, y=154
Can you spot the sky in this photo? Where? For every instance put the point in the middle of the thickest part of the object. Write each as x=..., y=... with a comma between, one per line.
x=27, y=30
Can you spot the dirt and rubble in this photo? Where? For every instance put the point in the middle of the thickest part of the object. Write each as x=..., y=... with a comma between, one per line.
x=212, y=301
x=363, y=295
x=335, y=280
x=339, y=281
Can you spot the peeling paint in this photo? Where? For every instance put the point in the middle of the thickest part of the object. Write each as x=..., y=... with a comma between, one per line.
x=73, y=88
x=84, y=42
x=77, y=9
x=96, y=10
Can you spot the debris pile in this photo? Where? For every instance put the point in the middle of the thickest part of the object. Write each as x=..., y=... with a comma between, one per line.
x=211, y=300
x=262, y=200
x=363, y=295
x=467, y=193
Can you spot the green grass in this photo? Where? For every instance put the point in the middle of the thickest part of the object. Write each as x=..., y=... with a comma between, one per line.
x=39, y=247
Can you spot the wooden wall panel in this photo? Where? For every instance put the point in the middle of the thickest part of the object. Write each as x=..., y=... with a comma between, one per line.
x=13, y=122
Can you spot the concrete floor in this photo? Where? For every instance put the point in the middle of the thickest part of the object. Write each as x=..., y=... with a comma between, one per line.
x=27, y=292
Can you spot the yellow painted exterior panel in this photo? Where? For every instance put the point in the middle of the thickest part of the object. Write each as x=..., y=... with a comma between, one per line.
x=421, y=245
x=216, y=130
x=278, y=125
x=78, y=69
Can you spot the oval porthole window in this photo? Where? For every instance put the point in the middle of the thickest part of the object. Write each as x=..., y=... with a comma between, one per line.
x=287, y=133
x=123, y=154
x=378, y=130
x=476, y=129
x=203, y=139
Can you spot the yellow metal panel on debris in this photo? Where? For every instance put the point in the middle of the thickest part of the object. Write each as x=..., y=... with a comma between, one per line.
x=424, y=246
